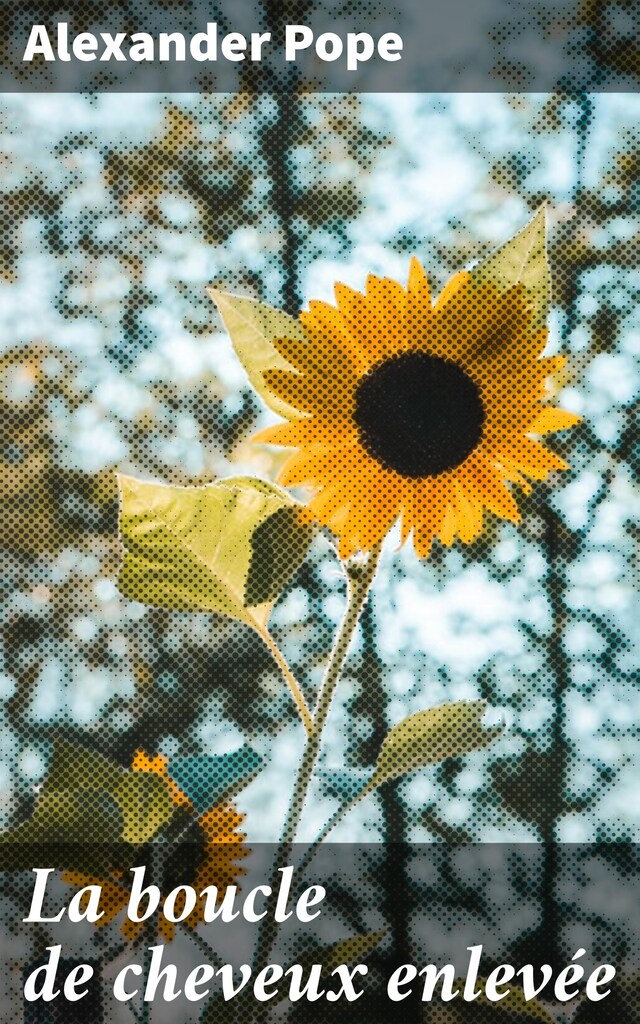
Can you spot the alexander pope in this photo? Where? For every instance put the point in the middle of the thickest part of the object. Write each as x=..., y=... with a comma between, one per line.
x=357, y=47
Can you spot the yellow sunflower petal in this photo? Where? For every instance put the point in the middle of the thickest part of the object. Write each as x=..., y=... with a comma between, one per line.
x=378, y=507
x=447, y=529
x=320, y=351
x=388, y=302
x=423, y=542
x=132, y=930
x=330, y=338
x=306, y=393
x=533, y=459
x=470, y=518
x=364, y=325
x=453, y=287
x=331, y=500
x=313, y=468
x=158, y=766
x=388, y=294
x=308, y=432
x=346, y=297
x=418, y=283
x=487, y=487
x=348, y=545
x=550, y=420
x=166, y=929
x=141, y=762
x=513, y=475
x=429, y=508
x=407, y=520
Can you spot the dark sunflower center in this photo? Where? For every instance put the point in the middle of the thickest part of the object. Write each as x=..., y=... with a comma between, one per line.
x=418, y=414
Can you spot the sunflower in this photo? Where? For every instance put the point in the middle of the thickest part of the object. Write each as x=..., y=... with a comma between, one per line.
x=402, y=408
x=206, y=852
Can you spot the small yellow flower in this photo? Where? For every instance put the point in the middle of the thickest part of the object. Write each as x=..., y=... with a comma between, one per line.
x=208, y=855
x=413, y=410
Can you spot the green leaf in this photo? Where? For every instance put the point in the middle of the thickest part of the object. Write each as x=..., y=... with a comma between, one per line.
x=278, y=546
x=523, y=260
x=79, y=828
x=143, y=799
x=191, y=548
x=88, y=801
x=71, y=816
x=252, y=327
x=145, y=803
x=210, y=780
x=428, y=737
x=73, y=765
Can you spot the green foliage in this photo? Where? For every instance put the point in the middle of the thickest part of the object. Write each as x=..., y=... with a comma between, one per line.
x=65, y=824
x=44, y=504
x=221, y=1011
x=522, y=260
x=90, y=803
x=278, y=543
x=190, y=548
x=428, y=737
x=524, y=781
x=110, y=210
x=142, y=798
x=252, y=327
x=145, y=803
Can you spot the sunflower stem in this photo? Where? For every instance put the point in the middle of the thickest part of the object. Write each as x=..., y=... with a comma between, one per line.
x=359, y=577
x=296, y=692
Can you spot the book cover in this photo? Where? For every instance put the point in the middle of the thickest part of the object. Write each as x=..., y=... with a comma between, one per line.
x=319, y=353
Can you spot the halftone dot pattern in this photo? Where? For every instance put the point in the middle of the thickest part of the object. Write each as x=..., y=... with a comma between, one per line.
x=590, y=45
x=170, y=672
x=416, y=411
x=203, y=850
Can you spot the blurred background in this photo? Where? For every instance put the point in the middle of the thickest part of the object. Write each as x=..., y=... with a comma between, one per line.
x=115, y=213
